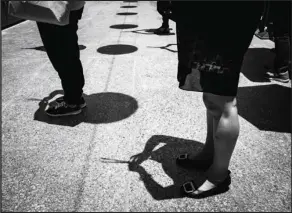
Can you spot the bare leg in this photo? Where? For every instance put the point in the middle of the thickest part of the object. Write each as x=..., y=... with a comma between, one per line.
x=208, y=149
x=224, y=111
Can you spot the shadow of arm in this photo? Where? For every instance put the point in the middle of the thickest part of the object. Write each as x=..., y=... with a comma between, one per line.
x=157, y=191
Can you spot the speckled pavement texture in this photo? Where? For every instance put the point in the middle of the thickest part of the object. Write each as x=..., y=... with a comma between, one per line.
x=80, y=163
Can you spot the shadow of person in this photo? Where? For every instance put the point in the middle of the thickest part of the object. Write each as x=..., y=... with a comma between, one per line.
x=164, y=150
x=149, y=32
x=42, y=48
x=267, y=107
x=166, y=47
x=104, y=107
x=256, y=62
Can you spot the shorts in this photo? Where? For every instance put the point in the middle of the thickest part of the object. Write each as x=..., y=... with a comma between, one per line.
x=212, y=42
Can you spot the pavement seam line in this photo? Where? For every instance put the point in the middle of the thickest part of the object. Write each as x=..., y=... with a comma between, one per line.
x=85, y=168
x=114, y=57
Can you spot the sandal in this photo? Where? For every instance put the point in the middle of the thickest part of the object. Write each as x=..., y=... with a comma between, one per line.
x=190, y=187
x=185, y=162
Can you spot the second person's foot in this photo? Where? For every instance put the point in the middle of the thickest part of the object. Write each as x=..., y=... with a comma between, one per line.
x=81, y=105
x=63, y=109
x=282, y=77
x=162, y=30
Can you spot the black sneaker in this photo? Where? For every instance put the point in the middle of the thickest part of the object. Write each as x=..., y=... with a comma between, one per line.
x=81, y=105
x=263, y=35
x=281, y=77
x=63, y=109
x=162, y=30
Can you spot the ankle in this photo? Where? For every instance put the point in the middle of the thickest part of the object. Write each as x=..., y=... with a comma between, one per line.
x=216, y=176
x=205, y=154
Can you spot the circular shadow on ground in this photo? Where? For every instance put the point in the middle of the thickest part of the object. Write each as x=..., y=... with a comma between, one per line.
x=82, y=47
x=128, y=6
x=117, y=49
x=127, y=14
x=124, y=26
x=129, y=1
x=107, y=107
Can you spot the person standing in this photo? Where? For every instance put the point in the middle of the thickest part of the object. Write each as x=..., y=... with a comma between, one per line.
x=61, y=44
x=281, y=18
x=209, y=61
x=163, y=7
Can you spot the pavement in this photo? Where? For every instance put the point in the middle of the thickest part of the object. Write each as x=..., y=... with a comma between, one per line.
x=135, y=108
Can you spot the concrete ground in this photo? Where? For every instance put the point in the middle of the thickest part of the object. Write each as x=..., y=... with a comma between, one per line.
x=134, y=108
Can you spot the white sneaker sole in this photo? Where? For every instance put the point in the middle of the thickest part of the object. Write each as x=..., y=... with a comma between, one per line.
x=279, y=80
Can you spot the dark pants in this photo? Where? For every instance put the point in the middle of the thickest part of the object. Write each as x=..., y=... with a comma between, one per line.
x=281, y=17
x=162, y=6
x=61, y=44
x=265, y=19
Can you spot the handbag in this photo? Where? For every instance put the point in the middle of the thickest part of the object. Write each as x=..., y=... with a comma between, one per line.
x=52, y=12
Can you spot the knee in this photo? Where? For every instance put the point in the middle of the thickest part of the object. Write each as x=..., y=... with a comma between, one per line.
x=212, y=105
x=220, y=105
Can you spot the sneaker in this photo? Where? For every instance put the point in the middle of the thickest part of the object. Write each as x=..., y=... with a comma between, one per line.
x=81, y=105
x=162, y=30
x=281, y=77
x=63, y=109
x=262, y=35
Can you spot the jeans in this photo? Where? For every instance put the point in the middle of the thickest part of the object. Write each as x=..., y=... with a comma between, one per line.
x=281, y=18
x=61, y=44
x=162, y=7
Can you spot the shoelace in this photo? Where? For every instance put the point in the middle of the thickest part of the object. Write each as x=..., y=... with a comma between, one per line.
x=62, y=104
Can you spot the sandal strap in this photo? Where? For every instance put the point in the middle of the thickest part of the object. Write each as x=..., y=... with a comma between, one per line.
x=189, y=187
x=183, y=156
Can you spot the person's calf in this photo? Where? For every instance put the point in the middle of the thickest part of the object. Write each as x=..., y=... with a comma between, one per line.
x=224, y=110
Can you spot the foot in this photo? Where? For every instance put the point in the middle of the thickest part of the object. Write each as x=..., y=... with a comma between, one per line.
x=262, y=35
x=207, y=188
x=199, y=162
x=162, y=30
x=278, y=76
x=63, y=109
x=81, y=105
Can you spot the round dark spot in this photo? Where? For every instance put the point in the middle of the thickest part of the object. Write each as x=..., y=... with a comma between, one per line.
x=127, y=14
x=123, y=26
x=82, y=47
x=117, y=49
x=128, y=6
